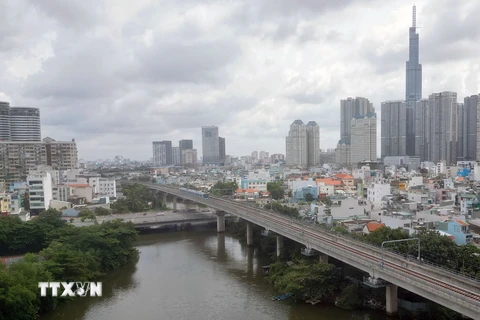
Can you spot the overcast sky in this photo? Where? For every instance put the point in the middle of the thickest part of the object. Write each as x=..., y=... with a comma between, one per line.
x=117, y=74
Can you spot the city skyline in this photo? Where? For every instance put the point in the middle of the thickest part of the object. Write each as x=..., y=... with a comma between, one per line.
x=90, y=91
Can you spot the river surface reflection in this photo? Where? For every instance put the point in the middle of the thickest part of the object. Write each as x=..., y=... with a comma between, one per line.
x=194, y=276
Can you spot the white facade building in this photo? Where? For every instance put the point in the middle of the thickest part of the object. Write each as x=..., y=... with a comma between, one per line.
x=376, y=192
x=40, y=191
x=177, y=156
x=364, y=138
x=296, y=144
x=260, y=174
x=189, y=157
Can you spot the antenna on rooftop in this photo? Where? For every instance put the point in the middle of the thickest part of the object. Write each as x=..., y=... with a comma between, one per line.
x=414, y=16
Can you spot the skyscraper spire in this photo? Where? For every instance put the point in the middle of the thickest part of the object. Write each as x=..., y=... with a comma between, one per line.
x=414, y=16
x=413, y=83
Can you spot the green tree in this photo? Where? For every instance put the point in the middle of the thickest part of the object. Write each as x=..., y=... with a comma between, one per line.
x=87, y=214
x=119, y=206
x=350, y=297
x=100, y=211
x=224, y=188
x=306, y=280
x=26, y=201
x=276, y=190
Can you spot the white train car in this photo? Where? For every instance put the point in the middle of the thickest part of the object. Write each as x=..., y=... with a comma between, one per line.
x=195, y=193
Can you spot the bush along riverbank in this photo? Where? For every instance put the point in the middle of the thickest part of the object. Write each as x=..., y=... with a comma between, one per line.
x=63, y=253
x=308, y=280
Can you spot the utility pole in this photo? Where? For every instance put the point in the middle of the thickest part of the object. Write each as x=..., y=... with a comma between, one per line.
x=382, y=262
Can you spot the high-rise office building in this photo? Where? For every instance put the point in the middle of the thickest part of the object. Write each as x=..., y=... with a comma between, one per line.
x=254, y=156
x=5, y=132
x=441, y=127
x=25, y=124
x=349, y=108
x=162, y=153
x=176, y=156
x=185, y=144
x=210, y=145
x=296, y=144
x=221, y=150
x=413, y=83
x=421, y=125
x=313, y=144
x=364, y=138
x=393, y=128
x=462, y=126
x=471, y=105
x=303, y=144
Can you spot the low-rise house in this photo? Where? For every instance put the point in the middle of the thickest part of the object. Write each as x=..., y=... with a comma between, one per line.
x=459, y=229
x=372, y=226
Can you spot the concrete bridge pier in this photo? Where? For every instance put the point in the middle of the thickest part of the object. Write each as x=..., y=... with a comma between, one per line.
x=392, y=299
x=249, y=234
x=220, y=221
x=323, y=258
x=174, y=203
x=164, y=200
x=279, y=245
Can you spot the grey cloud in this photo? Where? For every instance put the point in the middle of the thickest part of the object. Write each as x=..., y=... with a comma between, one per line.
x=72, y=14
x=177, y=61
x=83, y=70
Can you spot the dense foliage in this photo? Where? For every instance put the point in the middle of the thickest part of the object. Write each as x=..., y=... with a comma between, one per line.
x=306, y=280
x=138, y=198
x=434, y=248
x=69, y=254
x=224, y=188
x=284, y=209
x=276, y=190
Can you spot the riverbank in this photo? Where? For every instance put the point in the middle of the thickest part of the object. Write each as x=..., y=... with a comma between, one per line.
x=195, y=275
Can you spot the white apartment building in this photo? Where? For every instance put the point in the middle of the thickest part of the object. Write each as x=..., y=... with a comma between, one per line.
x=40, y=191
x=177, y=156
x=189, y=157
x=296, y=144
x=364, y=138
x=376, y=192
x=102, y=187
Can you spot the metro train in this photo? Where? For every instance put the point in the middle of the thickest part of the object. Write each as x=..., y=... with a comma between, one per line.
x=195, y=193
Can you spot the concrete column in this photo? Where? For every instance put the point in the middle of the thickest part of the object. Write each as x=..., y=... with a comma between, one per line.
x=323, y=258
x=220, y=221
x=392, y=300
x=174, y=203
x=249, y=234
x=279, y=245
x=164, y=203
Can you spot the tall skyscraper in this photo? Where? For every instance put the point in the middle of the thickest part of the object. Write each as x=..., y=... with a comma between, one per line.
x=349, y=108
x=462, y=137
x=394, y=128
x=162, y=153
x=413, y=89
x=25, y=124
x=5, y=132
x=210, y=145
x=296, y=143
x=176, y=156
x=313, y=144
x=364, y=138
x=441, y=127
x=421, y=129
x=470, y=105
x=221, y=151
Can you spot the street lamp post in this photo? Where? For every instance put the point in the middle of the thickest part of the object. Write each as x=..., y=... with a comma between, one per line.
x=402, y=240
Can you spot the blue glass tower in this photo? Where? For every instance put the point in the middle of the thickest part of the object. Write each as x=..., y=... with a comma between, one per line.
x=413, y=90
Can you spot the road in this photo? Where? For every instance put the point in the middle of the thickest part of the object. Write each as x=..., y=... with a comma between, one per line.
x=147, y=217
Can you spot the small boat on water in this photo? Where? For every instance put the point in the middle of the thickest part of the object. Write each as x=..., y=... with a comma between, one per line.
x=282, y=297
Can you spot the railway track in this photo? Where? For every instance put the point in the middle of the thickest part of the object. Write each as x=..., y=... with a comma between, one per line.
x=315, y=235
